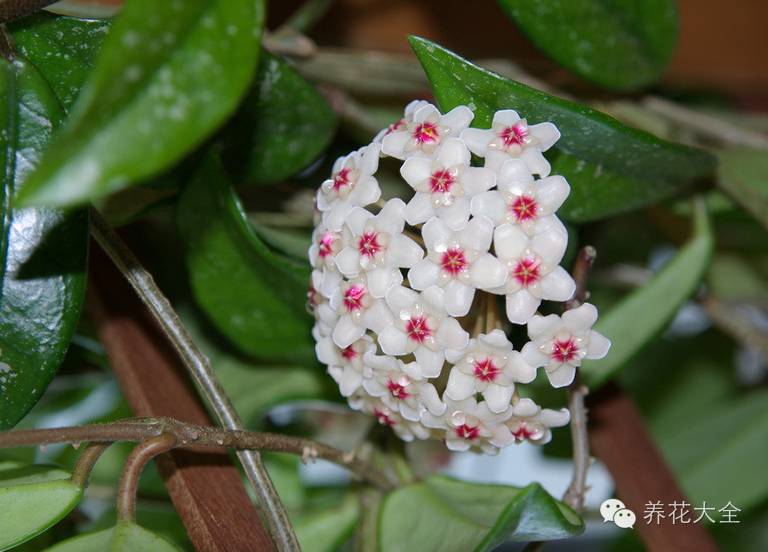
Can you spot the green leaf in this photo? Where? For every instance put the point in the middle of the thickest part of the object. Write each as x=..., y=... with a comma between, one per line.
x=63, y=49
x=619, y=44
x=253, y=296
x=612, y=168
x=42, y=251
x=645, y=312
x=283, y=125
x=123, y=537
x=168, y=74
x=32, y=499
x=445, y=514
x=743, y=175
x=326, y=530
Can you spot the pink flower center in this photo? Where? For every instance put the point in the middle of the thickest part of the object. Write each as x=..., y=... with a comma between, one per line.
x=342, y=179
x=514, y=135
x=369, y=245
x=466, y=431
x=394, y=127
x=353, y=298
x=453, y=261
x=486, y=369
x=426, y=133
x=441, y=181
x=564, y=350
x=522, y=433
x=397, y=390
x=326, y=244
x=349, y=353
x=527, y=271
x=524, y=208
x=383, y=417
x=312, y=297
x=418, y=329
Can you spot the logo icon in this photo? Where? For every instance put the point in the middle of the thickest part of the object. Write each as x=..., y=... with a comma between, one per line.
x=614, y=510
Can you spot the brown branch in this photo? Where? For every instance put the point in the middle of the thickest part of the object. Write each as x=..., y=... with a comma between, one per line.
x=192, y=435
x=134, y=466
x=16, y=9
x=575, y=494
x=86, y=461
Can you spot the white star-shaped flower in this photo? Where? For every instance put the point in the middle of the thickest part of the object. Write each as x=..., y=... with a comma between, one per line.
x=520, y=199
x=530, y=423
x=459, y=262
x=512, y=137
x=489, y=366
x=402, y=123
x=421, y=327
x=346, y=366
x=401, y=387
x=468, y=424
x=423, y=135
x=444, y=185
x=386, y=416
x=561, y=343
x=532, y=264
x=378, y=247
x=351, y=185
x=358, y=311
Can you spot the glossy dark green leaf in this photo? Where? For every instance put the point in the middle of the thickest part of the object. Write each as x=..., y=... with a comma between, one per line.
x=445, y=514
x=641, y=315
x=283, y=125
x=619, y=44
x=255, y=297
x=743, y=174
x=63, y=49
x=123, y=537
x=32, y=499
x=42, y=251
x=326, y=530
x=167, y=75
x=611, y=168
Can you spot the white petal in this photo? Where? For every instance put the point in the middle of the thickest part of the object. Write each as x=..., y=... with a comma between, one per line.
x=431, y=362
x=561, y=376
x=599, y=345
x=393, y=341
x=416, y=170
x=551, y=192
x=393, y=144
x=554, y=418
x=334, y=219
x=381, y=279
x=495, y=338
x=391, y=218
x=330, y=282
x=488, y=272
x=475, y=180
x=455, y=444
x=366, y=191
x=428, y=395
x=543, y=325
x=521, y=306
x=522, y=372
x=536, y=161
x=435, y=232
x=509, y=241
x=409, y=413
x=326, y=352
x=489, y=204
x=550, y=246
x=558, y=285
x=423, y=274
x=478, y=234
x=434, y=296
x=506, y=117
x=581, y=318
x=460, y=385
x=348, y=261
x=347, y=332
x=404, y=252
x=420, y=208
x=369, y=159
x=458, y=298
x=350, y=381
x=451, y=335
x=426, y=111
x=533, y=356
x=525, y=408
x=546, y=133
x=400, y=298
x=455, y=215
x=457, y=119
x=377, y=317
x=495, y=159
x=452, y=152
x=477, y=140
x=514, y=176
x=497, y=397
x=356, y=220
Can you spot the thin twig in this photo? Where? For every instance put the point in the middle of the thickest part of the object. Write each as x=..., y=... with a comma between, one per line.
x=134, y=466
x=186, y=435
x=712, y=127
x=199, y=368
x=575, y=494
x=86, y=461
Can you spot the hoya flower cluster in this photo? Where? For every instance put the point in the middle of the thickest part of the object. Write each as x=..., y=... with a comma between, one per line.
x=396, y=285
